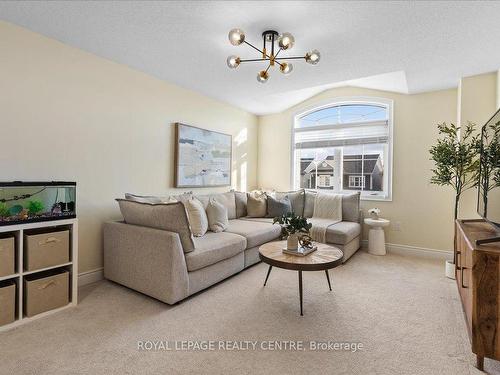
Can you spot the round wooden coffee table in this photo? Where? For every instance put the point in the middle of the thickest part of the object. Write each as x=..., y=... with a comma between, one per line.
x=323, y=259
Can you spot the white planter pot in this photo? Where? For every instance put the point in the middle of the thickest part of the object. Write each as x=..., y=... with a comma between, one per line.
x=292, y=242
x=450, y=269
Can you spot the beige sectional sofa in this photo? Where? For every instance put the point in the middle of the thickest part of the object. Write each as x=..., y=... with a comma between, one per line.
x=153, y=252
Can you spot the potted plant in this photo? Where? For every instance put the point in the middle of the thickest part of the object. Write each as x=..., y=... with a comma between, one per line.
x=293, y=225
x=490, y=175
x=456, y=160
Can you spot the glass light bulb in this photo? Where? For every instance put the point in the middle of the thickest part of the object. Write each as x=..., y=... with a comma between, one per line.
x=263, y=76
x=286, y=41
x=286, y=68
x=233, y=61
x=313, y=57
x=236, y=37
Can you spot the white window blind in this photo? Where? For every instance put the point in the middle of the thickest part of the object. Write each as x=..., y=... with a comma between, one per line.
x=342, y=135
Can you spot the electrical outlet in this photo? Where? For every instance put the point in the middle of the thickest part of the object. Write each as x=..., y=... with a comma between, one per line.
x=396, y=226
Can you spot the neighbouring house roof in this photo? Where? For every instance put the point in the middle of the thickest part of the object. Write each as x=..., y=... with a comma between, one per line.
x=352, y=164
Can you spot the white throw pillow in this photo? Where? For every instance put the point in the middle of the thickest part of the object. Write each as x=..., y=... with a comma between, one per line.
x=197, y=217
x=217, y=216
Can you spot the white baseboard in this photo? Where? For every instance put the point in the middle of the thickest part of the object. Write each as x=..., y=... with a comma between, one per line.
x=90, y=277
x=415, y=251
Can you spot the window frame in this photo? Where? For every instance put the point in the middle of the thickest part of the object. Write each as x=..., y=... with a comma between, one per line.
x=352, y=100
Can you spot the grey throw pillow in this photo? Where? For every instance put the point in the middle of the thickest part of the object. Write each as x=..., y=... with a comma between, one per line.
x=278, y=207
x=241, y=204
x=297, y=200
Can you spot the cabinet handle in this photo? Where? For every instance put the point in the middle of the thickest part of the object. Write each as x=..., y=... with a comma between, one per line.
x=49, y=240
x=462, y=277
x=459, y=260
x=50, y=283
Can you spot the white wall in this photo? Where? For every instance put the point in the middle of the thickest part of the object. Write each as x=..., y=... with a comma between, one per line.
x=69, y=115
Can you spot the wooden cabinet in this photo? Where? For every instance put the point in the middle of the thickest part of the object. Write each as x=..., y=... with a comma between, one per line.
x=478, y=280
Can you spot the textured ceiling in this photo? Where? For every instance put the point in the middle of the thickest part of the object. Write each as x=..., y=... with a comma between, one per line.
x=400, y=46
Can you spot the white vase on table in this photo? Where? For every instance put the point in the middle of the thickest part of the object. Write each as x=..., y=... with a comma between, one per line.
x=292, y=241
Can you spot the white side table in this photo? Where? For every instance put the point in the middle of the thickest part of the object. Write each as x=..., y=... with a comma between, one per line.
x=376, y=235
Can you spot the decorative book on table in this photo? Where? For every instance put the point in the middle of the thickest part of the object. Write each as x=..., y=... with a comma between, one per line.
x=301, y=251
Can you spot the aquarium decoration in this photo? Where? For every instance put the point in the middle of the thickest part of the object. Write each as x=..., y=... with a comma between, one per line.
x=23, y=202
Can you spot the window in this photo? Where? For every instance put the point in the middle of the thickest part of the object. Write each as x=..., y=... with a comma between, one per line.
x=324, y=181
x=345, y=146
x=356, y=181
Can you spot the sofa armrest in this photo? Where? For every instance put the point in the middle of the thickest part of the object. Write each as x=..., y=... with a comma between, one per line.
x=148, y=260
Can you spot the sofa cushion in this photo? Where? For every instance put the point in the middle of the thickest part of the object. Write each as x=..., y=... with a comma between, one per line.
x=268, y=220
x=350, y=207
x=197, y=217
x=278, y=207
x=166, y=216
x=297, y=199
x=256, y=205
x=217, y=216
x=226, y=199
x=214, y=247
x=342, y=232
x=241, y=203
x=256, y=233
x=150, y=198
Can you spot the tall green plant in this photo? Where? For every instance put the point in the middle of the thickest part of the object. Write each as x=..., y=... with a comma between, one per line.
x=456, y=159
x=490, y=162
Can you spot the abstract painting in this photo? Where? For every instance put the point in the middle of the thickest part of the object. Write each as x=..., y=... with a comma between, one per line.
x=202, y=157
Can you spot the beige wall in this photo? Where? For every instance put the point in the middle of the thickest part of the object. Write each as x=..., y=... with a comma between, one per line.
x=424, y=211
x=477, y=103
x=69, y=115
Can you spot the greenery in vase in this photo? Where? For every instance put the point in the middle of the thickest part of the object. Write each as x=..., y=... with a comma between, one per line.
x=490, y=162
x=456, y=159
x=35, y=207
x=291, y=223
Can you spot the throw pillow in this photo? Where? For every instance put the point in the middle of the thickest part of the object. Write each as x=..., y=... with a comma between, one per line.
x=309, y=203
x=256, y=205
x=197, y=217
x=278, y=207
x=217, y=216
x=297, y=199
x=165, y=216
x=241, y=204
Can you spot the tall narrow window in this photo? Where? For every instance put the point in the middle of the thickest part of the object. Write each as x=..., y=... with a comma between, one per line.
x=345, y=147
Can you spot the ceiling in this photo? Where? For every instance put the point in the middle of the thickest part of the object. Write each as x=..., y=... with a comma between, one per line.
x=398, y=46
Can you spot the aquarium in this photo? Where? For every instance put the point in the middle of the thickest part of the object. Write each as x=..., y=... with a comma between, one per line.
x=25, y=202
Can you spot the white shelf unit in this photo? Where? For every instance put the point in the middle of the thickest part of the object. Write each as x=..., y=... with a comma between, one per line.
x=72, y=266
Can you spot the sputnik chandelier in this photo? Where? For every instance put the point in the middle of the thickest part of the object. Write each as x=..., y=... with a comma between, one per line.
x=269, y=54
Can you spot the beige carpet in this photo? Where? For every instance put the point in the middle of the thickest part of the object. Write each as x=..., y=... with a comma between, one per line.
x=402, y=309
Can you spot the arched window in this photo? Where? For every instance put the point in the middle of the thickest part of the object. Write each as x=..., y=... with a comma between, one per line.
x=345, y=146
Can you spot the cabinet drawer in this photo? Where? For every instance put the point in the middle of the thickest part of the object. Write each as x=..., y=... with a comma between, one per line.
x=45, y=293
x=46, y=250
x=7, y=256
x=7, y=303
